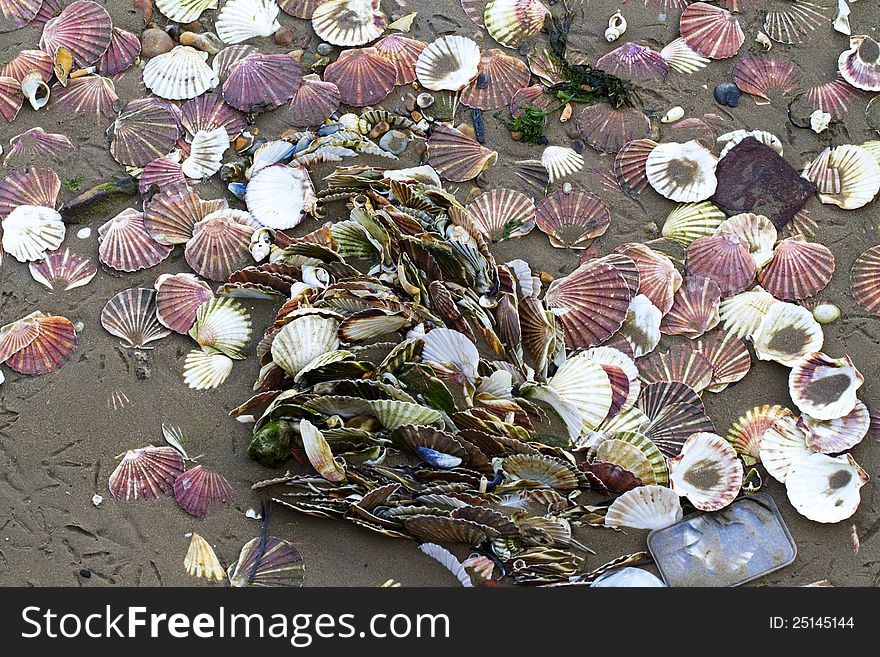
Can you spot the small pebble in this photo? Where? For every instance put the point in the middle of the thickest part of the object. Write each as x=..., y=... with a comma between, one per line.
x=571, y=131
x=467, y=129
x=578, y=145
x=482, y=81
x=727, y=93
x=86, y=573
x=416, y=116
x=409, y=101
x=379, y=129
x=566, y=188
x=195, y=26
x=325, y=49
x=420, y=149
x=516, y=135
x=173, y=30
x=394, y=141
x=543, y=141
x=97, y=499
x=826, y=313
x=284, y=37
x=84, y=233
x=146, y=9
x=155, y=42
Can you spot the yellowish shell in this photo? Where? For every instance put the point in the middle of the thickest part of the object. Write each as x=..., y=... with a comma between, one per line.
x=201, y=561
x=692, y=220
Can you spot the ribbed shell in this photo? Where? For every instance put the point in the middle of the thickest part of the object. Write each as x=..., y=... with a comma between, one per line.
x=561, y=162
x=84, y=28
x=17, y=13
x=62, y=270
x=201, y=561
x=681, y=363
x=513, y=22
x=273, y=562
x=184, y=11
x=711, y=31
x=131, y=316
x=169, y=216
x=502, y=214
x=865, y=279
x=30, y=186
x=278, y=195
x=659, y=280
x=824, y=488
x=30, y=231
x=11, y=98
x=456, y=156
x=795, y=22
x=178, y=297
x=607, y=129
x=823, y=387
x=722, y=259
x=799, y=269
x=572, y=220
x=90, y=95
x=146, y=473
x=198, y=490
x=203, y=371
x=125, y=245
x=691, y=221
x=758, y=75
x=694, y=309
x=303, y=340
x=787, y=333
x=259, y=83
x=123, y=52
x=747, y=431
x=222, y=325
x=54, y=344
x=629, y=165
x=860, y=65
x=313, y=103
x=209, y=112
x=856, y=173
x=206, y=153
x=729, y=357
x=220, y=244
x=362, y=76
x=682, y=172
x=348, y=22
x=403, y=52
x=19, y=334
x=645, y=507
x=500, y=77
x=707, y=472
x=240, y=20
x=180, y=74
x=632, y=60
x=146, y=129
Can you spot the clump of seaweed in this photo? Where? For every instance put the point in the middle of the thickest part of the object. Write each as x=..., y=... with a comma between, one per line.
x=530, y=125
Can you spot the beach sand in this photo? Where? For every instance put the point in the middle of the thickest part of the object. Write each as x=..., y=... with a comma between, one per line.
x=60, y=436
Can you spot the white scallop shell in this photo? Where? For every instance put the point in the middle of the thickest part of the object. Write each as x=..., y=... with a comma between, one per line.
x=180, y=74
x=303, y=340
x=206, y=153
x=582, y=382
x=240, y=20
x=448, y=63
x=824, y=488
x=348, y=22
x=561, y=161
x=682, y=172
x=742, y=314
x=278, y=195
x=787, y=333
x=453, y=350
x=222, y=325
x=29, y=231
x=184, y=11
x=203, y=371
x=781, y=445
x=645, y=507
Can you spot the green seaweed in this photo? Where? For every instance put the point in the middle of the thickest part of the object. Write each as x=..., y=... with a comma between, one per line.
x=530, y=125
x=72, y=184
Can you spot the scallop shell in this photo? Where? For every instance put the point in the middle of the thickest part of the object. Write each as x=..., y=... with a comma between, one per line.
x=259, y=83
x=865, y=277
x=203, y=371
x=184, y=11
x=607, y=129
x=220, y=244
x=303, y=340
x=547, y=470
x=832, y=97
x=90, y=95
x=756, y=232
x=11, y=98
x=278, y=195
x=456, y=156
x=201, y=561
x=858, y=172
x=19, y=334
x=795, y=22
x=362, y=76
x=729, y=357
x=629, y=165
x=209, y=112
x=474, y=10
x=622, y=374
x=37, y=143
x=645, y=507
x=299, y=8
x=682, y=58
x=227, y=58
x=403, y=52
x=583, y=383
x=313, y=103
x=267, y=562
x=711, y=31
x=758, y=75
x=319, y=454
x=681, y=363
x=30, y=186
x=654, y=397
x=206, y=153
x=722, y=259
x=659, y=280
x=658, y=474
x=787, y=333
x=823, y=387
x=146, y=473
x=634, y=61
x=25, y=62
x=393, y=414
x=799, y=269
x=694, y=309
x=447, y=530
x=450, y=350
x=125, y=245
x=572, y=220
x=180, y=74
x=240, y=20
x=222, y=325
x=54, y=344
x=502, y=214
x=17, y=13
x=627, y=456
x=837, y=435
x=691, y=221
x=747, y=431
x=641, y=328
x=30, y=231
x=62, y=270
x=513, y=22
x=533, y=96
x=124, y=50
x=198, y=490
x=500, y=78
x=178, y=297
x=146, y=129
x=682, y=172
x=84, y=28
x=170, y=215
x=561, y=161
x=131, y=316
x=742, y=314
x=824, y=488
x=349, y=22
x=590, y=303
x=675, y=424
x=707, y=472
x=448, y=63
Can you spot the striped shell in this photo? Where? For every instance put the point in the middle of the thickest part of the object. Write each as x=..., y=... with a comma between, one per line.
x=178, y=297
x=62, y=270
x=146, y=129
x=146, y=473
x=348, y=22
x=572, y=220
x=84, y=28
x=170, y=215
x=799, y=269
x=362, y=76
x=502, y=214
x=512, y=22
x=455, y=156
x=722, y=259
x=125, y=245
x=694, y=309
x=500, y=78
x=865, y=278
x=448, y=63
x=220, y=244
x=54, y=343
x=131, y=316
x=180, y=74
x=403, y=52
x=711, y=31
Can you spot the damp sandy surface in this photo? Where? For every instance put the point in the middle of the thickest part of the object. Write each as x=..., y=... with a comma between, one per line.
x=59, y=434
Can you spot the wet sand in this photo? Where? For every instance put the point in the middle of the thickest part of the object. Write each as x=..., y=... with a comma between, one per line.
x=59, y=434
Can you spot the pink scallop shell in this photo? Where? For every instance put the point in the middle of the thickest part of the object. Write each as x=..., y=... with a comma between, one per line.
x=178, y=298
x=572, y=220
x=55, y=343
x=313, y=103
x=259, y=83
x=799, y=269
x=84, y=28
x=363, y=76
x=125, y=245
x=711, y=31
x=145, y=473
x=607, y=129
x=123, y=52
x=403, y=52
x=62, y=270
x=505, y=76
x=29, y=186
x=198, y=490
x=144, y=130
x=89, y=95
x=632, y=60
x=169, y=216
x=694, y=309
x=723, y=259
